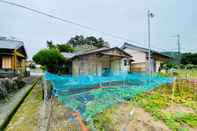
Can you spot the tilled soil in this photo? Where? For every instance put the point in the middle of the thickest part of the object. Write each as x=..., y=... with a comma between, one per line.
x=138, y=120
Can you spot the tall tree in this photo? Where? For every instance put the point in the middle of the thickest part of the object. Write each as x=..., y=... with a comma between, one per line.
x=189, y=58
x=64, y=48
x=77, y=40
x=50, y=44
x=80, y=40
x=52, y=59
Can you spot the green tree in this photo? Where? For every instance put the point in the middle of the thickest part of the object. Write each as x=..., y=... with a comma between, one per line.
x=80, y=40
x=64, y=48
x=50, y=44
x=51, y=59
x=189, y=58
x=77, y=40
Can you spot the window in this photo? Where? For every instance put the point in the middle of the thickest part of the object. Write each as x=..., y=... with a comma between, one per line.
x=125, y=62
x=6, y=62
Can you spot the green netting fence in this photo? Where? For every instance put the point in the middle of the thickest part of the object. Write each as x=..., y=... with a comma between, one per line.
x=90, y=95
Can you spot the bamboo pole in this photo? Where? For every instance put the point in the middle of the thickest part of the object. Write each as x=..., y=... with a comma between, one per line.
x=173, y=88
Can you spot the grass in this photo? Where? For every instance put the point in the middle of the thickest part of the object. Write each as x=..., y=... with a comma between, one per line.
x=26, y=118
x=185, y=73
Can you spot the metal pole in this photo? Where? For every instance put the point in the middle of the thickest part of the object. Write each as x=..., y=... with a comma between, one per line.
x=149, y=47
x=179, y=49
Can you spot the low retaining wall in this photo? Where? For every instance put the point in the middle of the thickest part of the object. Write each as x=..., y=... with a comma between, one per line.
x=47, y=105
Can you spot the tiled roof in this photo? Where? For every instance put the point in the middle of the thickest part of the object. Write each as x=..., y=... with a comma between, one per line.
x=10, y=44
x=89, y=52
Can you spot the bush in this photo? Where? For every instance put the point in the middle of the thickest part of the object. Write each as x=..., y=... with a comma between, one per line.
x=51, y=59
x=32, y=66
x=168, y=66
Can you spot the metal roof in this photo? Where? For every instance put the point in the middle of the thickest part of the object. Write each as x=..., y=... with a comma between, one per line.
x=128, y=45
x=100, y=50
x=89, y=52
x=10, y=44
x=68, y=55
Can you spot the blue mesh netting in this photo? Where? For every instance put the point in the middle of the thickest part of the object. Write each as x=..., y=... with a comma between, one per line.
x=92, y=94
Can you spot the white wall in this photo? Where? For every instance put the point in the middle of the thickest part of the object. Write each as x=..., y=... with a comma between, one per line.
x=138, y=56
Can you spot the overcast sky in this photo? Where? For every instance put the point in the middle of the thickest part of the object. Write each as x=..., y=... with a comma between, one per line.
x=126, y=18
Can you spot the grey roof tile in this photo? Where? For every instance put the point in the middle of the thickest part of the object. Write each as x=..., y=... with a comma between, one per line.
x=10, y=44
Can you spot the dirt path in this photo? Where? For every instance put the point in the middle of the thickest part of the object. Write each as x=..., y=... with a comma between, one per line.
x=174, y=108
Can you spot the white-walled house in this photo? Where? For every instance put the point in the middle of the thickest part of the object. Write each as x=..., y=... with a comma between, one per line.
x=140, y=57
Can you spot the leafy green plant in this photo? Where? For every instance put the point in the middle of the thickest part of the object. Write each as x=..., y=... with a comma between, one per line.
x=159, y=99
x=104, y=121
x=51, y=59
x=187, y=118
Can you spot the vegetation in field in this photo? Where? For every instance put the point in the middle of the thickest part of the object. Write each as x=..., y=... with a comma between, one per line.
x=188, y=60
x=104, y=121
x=157, y=101
x=187, y=73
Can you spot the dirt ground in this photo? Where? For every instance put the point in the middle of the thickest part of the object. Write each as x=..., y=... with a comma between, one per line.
x=59, y=120
x=136, y=119
x=174, y=108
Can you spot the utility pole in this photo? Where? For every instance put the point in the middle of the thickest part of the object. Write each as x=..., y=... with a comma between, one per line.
x=149, y=15
x=179, y=48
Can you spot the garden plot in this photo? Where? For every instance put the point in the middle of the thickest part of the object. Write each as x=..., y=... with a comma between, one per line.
x=170, y=107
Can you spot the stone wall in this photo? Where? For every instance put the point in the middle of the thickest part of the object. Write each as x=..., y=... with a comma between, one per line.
x=8, y=85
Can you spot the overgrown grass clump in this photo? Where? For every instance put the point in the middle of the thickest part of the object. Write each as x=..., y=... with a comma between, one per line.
x=104, y=121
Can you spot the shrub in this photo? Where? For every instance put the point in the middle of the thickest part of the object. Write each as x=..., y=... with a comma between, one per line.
x=51, y=59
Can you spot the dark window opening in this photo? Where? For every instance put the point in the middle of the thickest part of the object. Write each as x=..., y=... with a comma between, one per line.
x=125, y=62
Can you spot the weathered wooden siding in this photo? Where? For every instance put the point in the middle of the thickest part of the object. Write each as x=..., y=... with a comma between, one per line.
x=93, y=65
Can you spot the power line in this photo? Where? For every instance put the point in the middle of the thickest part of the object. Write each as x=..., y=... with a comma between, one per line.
x=67, y=21
x=159, y=48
